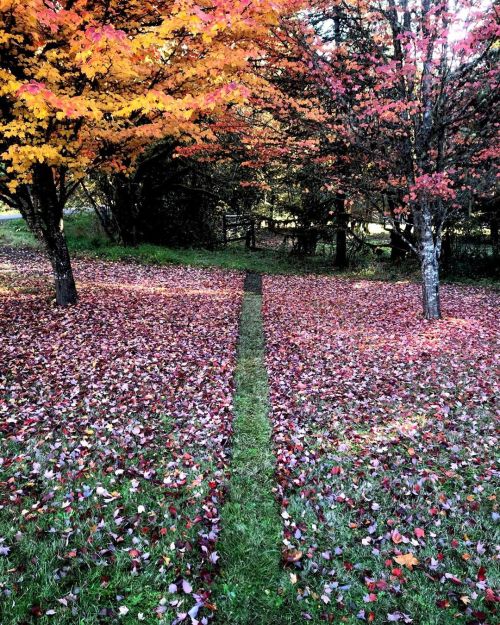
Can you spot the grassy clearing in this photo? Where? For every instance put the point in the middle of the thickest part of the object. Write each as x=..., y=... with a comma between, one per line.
x=251, y=590
x=90, y=548
x=344, y=571
x=86, y=238
x=81, y=561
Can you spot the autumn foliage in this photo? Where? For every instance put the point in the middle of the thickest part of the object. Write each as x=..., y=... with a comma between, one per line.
x=122, y=418
x=392, y=105
x=86, y=85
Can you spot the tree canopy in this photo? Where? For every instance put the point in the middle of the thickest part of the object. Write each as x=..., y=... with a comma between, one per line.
x=390, y=103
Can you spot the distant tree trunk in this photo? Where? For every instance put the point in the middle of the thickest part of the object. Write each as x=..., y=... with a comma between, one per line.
x=397, y=248
x=103, y=213
x=400, y=242
x=494, y=236
x=125, y=209
x=429, y=252
x=399, y=239
x=446, y=250
x=340, y=260
x=307, y=240
x=42, y=208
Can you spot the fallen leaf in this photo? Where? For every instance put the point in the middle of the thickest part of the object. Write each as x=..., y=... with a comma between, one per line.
x=408, y=560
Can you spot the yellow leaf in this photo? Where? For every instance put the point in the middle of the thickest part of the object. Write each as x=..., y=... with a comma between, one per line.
x=407, y=559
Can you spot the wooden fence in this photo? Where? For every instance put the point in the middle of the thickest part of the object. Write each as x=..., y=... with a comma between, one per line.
x=239, y=228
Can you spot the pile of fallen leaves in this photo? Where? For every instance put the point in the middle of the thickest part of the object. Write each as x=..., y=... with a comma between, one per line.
x=115, y=418
x=386, y=435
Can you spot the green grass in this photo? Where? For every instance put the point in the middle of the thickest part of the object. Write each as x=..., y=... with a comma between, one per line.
x=14, y=232
x=341, y=527
x=251, y=589
x=59, y=549
x=87, y=239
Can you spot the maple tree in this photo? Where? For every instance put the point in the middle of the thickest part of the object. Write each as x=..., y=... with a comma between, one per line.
x=86, y=85
x=117, y=415
x=393, y=104
x=413, y=86
x=388, y=103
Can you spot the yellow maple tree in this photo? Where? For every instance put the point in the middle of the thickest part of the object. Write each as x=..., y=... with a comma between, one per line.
x=87, y=84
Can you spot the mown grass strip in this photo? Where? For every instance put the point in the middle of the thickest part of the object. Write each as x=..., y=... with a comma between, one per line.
x=249, y=592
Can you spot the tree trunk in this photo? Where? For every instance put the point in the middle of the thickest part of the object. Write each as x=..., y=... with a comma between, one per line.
x=341, y=234
x=446, y=251
x=430, y=285
x=494, y=236
x=42, y=208
x=125, y=209
x=307, y=241
x=397, y=248
x=429, y=260
x=61, y=266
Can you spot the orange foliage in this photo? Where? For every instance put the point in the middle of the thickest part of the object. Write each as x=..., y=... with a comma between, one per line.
x=85, y=84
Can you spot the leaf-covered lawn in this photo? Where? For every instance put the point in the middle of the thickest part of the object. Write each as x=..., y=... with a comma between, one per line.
x=386, y=440
x=115, y=418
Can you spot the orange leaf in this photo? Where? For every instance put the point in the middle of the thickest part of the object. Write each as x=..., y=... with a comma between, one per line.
x=292, y=555
x=407, y=559
x=396, y=537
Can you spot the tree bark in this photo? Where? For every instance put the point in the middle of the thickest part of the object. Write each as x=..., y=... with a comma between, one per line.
x=58, y=253
x=430, y=285
x=42, y=208
x=429, y=252
x=398, y=251
x=125, y=209
x=307, y=237
x=446, y=250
